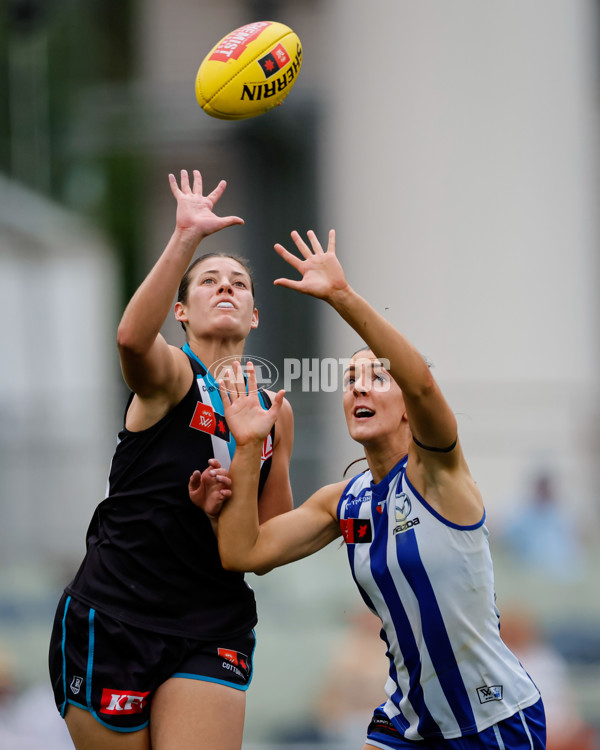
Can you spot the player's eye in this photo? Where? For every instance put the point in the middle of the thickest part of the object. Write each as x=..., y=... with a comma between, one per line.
x=240, y=284
x=207, y=280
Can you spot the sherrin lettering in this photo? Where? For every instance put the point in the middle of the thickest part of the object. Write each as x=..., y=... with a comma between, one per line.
x=250, y=71
x=258, y=91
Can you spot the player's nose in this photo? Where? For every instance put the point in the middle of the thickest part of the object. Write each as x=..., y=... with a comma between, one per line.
x=225, y=287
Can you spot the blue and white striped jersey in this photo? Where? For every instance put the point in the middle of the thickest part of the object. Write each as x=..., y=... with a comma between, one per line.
x=431, y=582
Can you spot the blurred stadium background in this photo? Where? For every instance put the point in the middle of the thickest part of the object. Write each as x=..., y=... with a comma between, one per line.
x=454, y=147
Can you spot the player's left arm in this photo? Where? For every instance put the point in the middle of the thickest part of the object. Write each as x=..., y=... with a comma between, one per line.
x=276, y=496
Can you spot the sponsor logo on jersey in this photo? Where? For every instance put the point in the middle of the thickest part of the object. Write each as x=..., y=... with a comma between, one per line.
x=403, y=511
x=403, y=507
x=274, y=61
x=356, y=530
x=75, y=685
x=267, y=449
x=355, y=502
x=235, y=661
x=119, y=702
x=490, y=693
x=206, y=419
x=402, y=527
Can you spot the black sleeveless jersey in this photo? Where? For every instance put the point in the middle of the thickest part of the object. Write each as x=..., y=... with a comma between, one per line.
x=152, y=558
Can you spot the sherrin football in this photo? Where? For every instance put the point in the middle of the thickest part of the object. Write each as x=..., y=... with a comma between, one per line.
x=249, y=71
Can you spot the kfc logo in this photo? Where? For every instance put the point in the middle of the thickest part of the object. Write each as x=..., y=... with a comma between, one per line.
x=116, y=702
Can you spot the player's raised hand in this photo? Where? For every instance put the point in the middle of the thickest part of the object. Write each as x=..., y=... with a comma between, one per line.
x=195, y=210
x=246, y=418
x=322, y=273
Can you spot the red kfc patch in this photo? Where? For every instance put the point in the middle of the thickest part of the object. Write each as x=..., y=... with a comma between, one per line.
x=118, y=702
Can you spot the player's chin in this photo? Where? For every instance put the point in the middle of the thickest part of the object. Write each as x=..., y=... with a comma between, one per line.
x=362, y=431
x=227, y=325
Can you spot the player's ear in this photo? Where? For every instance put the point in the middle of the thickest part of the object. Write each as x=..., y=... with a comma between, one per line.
x=180, y=313
x=254, y=323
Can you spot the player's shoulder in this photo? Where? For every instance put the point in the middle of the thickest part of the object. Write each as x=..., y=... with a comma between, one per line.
x=328, y=495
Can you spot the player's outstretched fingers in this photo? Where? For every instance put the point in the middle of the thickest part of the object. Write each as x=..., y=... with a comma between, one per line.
x=197, y=188
x=301, y=245
x=185, y=181
x=293, y=260
x=217, y=192
x=331, y=242
x=316, y=245
x=173, y=184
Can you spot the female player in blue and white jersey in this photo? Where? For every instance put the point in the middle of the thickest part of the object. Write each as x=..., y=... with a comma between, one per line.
x=414, y=528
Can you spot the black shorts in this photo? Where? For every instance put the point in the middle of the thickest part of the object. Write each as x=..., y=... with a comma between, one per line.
x=112, y=669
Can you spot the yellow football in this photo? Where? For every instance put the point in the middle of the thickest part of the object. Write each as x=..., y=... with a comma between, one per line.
x=249, y=71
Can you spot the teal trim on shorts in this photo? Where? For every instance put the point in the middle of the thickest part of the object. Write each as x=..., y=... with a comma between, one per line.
x=104, y=724
x=63, y=708
x=234, y=685
x=202, y=678
x=90, y=664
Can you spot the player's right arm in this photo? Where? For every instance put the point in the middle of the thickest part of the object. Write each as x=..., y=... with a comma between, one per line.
x=244, y=543
x=247, y=546
x=158, y=373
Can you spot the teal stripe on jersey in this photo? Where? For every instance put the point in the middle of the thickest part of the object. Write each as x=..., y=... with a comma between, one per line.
x=214, y=394
x=212, y=388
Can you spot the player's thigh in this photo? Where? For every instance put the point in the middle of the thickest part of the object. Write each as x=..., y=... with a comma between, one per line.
x=197, y=714
x=88, y=734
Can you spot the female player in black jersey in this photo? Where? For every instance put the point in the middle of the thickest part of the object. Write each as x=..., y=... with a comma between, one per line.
x=153, y=640
x=414, y=527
